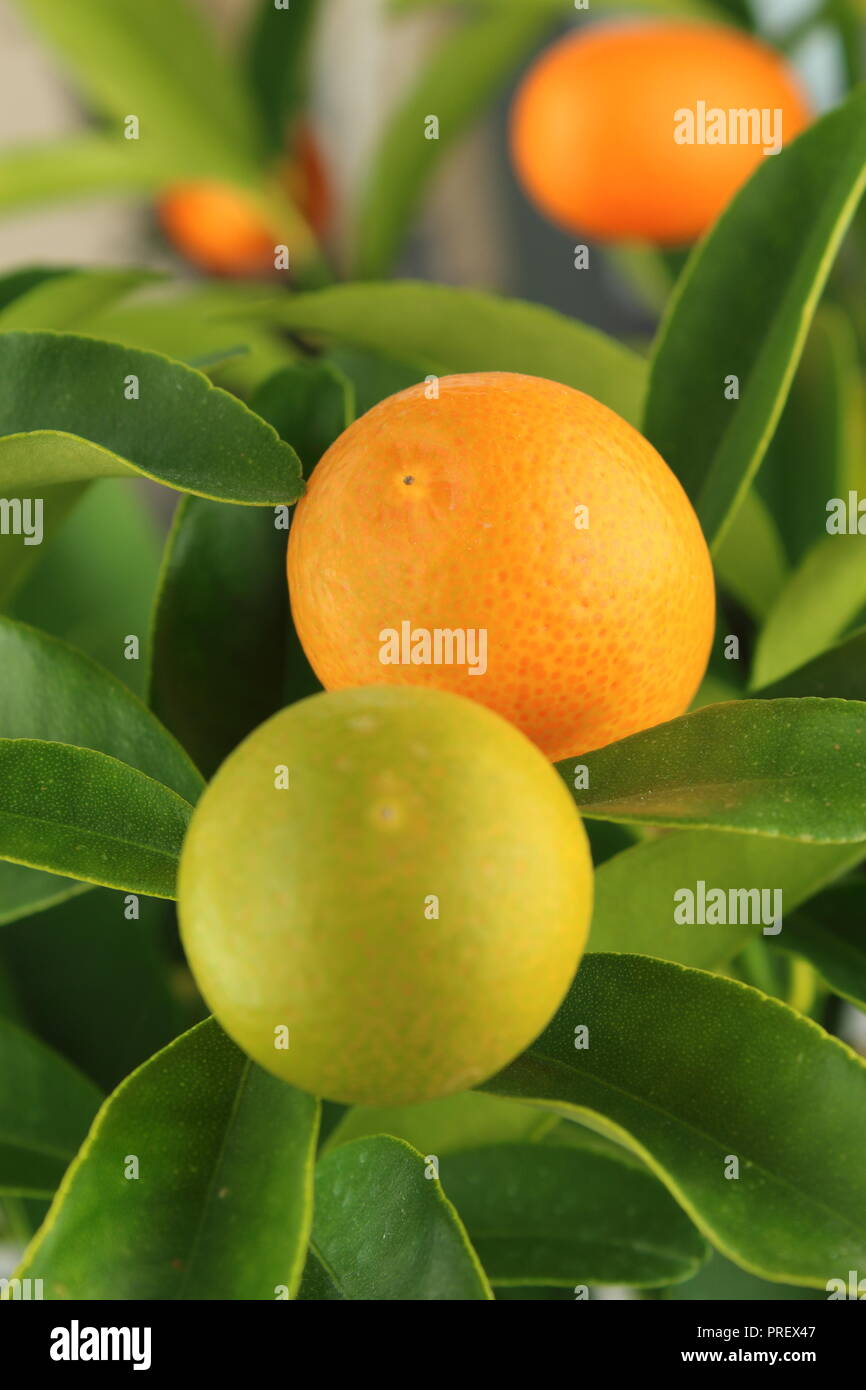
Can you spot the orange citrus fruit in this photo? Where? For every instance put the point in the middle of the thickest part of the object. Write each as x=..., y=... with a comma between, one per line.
x=514, y=541
x=384, y=894
x=600, y=127
x=223, y=229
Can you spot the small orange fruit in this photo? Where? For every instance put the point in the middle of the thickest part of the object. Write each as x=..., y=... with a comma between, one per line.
x=224, y=231
x=645, y=130
x=404, y=914
x=514, y=541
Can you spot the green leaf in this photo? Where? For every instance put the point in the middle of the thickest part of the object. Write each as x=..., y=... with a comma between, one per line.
x=721, y=1281
x=634, y=891
x=78, y=166
x=309, y=404
x=539, y=1214
x=158, y=62
x=372, y=376
x=813, y=454
x=743, y=308
x=65, y=418
x=24, y=891
x=384, y=1232
x=61, y=302
x=444, y=330
x=50, y=691
x=18, y=556
x=821, y=598
x=94, y=584
x=72, y=811
x=829, y=935
x=219, y=626
x=466, y=71
x=18, y=282
x=221, y=1206
x=750, y=561
x=121, y=1008
x=462, y=1121
x=839, y=671
x=689, y=1070
x=792, y=768
x=276, y=63
x=45, y=1108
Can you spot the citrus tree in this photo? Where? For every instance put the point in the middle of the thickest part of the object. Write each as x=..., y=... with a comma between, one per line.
x=684, y=1122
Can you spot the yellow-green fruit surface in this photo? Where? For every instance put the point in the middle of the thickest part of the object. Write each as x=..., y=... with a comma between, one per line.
x=412, y=908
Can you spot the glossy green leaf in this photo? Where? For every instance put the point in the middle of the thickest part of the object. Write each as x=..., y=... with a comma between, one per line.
x=691, y=1070
x=743, y=308
x=219, y=627
x=635, y=891
x=385, y=1232
x=309, y=404
x=443, y=330
x=829, y=933
x=121, y=1008
x=789, y=768
x=45, y=1108
x=539, y=1214
x=465, y=72
x=94, y=583
x=465, y=1120
x=61, y=302
x=839, y=671
x=72, y=811
x=750, y=562
x=821, y=598
x=64, y=418
x=160, y=63
x=78, y=166
x=221, y=1204
x=276, y=61
x=50, y=691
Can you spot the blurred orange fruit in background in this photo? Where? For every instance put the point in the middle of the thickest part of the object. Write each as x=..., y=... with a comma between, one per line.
x=522, y=510
x=593, y=126
x=224, y=231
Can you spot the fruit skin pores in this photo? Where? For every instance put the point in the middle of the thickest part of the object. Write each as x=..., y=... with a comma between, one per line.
x=384, y=894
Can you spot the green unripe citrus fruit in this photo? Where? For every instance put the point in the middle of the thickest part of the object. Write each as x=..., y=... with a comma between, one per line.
x=408, y=910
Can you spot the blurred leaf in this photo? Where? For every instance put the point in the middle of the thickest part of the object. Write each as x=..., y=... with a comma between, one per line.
x=559, y=1216
x=45, y=1108
x=121, y=1008
x=821, y=598
x=443, y=330
x=690, y=1070
x=18, y=557
x=743, y=308
x=790, y=768
x=78, y=166
x=276, y=61
x=829, y=934
x=721, y=1281
x=72, y=811
x=18, y=282
x=309, y=404
x=384, y=1232
x=221, y=1205
x=443, y=1126
x=373, y=377
x=24, y=891
x=158, y=62
x=62, y=301
x=66, y=419
x=50, y=691
x=750, y=560
x=458, y=83
x=94, y=583
x=218, y=647
x=812, y=455
x=634, y=891
x=839, y=671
